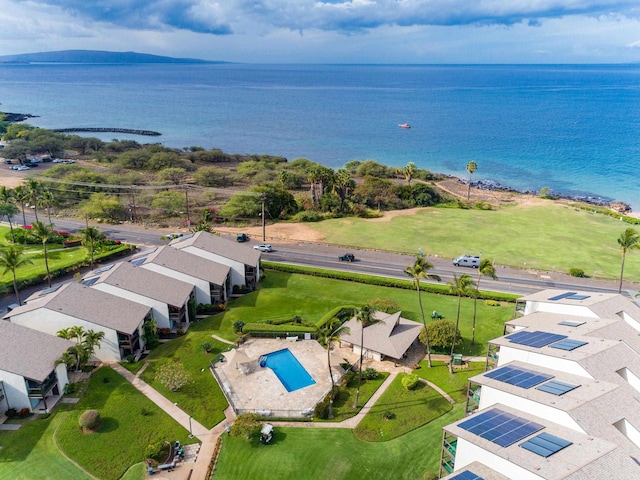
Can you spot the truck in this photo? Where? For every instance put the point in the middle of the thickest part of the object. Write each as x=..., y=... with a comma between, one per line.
x=472, y=261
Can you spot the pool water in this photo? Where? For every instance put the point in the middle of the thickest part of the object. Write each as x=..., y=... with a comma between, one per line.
x=288, y=370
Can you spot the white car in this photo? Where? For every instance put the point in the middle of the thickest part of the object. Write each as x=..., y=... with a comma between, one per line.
x=264, y=247
x=23, y=167
x=58, y=160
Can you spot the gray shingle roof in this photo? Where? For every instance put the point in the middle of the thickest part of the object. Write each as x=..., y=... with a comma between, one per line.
x=391, y=337
x=146, y=283
x=29, y=353
x=189, y=264
x=216, y=244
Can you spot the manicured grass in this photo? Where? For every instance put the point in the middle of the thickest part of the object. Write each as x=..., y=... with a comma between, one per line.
x=31, y=451
x=343, y=403
x=125, y=433
x=454, y=384
x=320, y=453
x=283, y=295
x=549, y=237
x=409, y=409
x=202, y=397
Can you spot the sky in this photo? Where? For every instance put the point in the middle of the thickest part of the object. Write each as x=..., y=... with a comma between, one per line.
x=332, y=31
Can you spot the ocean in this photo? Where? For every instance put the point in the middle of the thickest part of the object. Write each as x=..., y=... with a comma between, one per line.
x=572, y=128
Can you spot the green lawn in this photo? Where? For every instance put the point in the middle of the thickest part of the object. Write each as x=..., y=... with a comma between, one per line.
x=320, y=453
x=130, y=422
x=31, y=451
x=202, y=397
x=410, y=409
x=343, y=403
x=548, y=237
x=454, y=384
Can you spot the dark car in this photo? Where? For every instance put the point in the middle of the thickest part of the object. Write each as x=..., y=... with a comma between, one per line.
x=347, y=257
x=242, y=237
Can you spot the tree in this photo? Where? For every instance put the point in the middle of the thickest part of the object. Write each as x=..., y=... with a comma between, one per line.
x=174, y=175
x=92, y=341
x=150, y=333
x=441, y=333
x=418, y=271
x=33, y=192
x=246, y=425
x=20, y=194
x=343, y=184
x=68, y=358
x=9, y=210
x=485, y=269
x=48, y=200
x=169, y=201
x=172, y=375
x=409, y=172
x=79, y=350
x=459, y=286
x=629, y=240
x=42, y=233
x=12, y=258
x=283, y=178
x=365, y=317
x=90, y=237
x=329, y=333
x=471, y=168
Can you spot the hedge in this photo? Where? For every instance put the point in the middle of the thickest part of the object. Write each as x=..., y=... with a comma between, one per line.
x=382, y=281
x=265, y=327
x=338, y=312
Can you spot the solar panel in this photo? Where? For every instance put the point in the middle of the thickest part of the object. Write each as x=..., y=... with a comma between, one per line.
x=568, y=344
x=556, y=387
x=466, y=475
x=499, y=427
x=47, y=291
x=89, y=281
x=520, y=377
x=578, y=297
x=562, y=295
x=105, y=268
x=147, y=252
x=535, y=339
x=138, y=261
x=571, y=324
x=545, y=444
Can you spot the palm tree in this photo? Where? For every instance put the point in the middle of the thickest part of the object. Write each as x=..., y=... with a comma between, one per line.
x=20, y=194
x=330, y=333
x=11, y=258
x=91, y=236
x=417, y=271
x=79, y=350
x=409, y=172
x=42, y=232
x=68, y=358
x=9, y=210
x=283, y=177
x=471, y=168
x=486, y=269
x=33, y=194
x=92, y=340
x=48, y=200
x=365, y=317
x=629, y=240
x=460, y=286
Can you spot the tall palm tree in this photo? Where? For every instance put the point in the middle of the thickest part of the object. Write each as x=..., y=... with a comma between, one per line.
x=76, y=333
x=33, y=194
x=48, y=200
x=629, y=240
x=417, y=271
x=91, y=236
x=485, y=269
x=471, y=168
x=330, y=333
x=459, y=286
x=92, y=340
x=68, y=358
x=409, y=172
x=42, y=233
x=12, y=258
x=365, y=317
x=20, y=194
x=9, y=210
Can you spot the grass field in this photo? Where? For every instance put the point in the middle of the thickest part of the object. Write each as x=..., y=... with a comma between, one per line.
x=548, y=237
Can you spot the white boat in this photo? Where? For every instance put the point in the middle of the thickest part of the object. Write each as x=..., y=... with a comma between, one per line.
x=404, y=125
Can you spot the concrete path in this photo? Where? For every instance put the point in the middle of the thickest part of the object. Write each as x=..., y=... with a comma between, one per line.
x=223, y=340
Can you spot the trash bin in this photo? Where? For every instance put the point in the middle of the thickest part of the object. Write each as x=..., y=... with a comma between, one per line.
x=456, y=359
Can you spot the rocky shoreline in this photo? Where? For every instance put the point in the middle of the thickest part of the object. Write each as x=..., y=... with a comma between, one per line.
x=131, y=131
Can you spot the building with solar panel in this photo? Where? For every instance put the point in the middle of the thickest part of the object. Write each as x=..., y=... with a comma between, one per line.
x=560, y=398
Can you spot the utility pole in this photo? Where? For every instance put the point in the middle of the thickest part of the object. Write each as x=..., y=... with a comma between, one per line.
x=263, y=197
x=186, y=195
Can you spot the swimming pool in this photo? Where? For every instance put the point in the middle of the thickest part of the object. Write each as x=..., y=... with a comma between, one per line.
x=288, y=370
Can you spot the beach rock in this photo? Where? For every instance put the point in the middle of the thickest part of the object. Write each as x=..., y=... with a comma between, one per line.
x=16, y=117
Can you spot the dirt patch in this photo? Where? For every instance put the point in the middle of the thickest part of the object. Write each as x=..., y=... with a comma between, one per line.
x=458, y=189
x=282, y=232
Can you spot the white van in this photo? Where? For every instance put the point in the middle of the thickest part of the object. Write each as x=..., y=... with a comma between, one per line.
x=472, y=261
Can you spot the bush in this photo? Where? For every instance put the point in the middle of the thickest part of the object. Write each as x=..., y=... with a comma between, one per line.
x=90, y=420
x=145, y=412
x=492, y=303
x=410, y=381
x=206, y=346
x=386, y=305
x=12, y=412
x=388, y=415
x=131, y=359
x=24, y=413
x=577, y=272
x=246, y=425
x=441, y=334
x=154, y=450
x=238, y=325
x=370, y=373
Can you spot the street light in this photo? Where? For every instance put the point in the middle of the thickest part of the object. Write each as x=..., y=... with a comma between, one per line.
x=190, y=432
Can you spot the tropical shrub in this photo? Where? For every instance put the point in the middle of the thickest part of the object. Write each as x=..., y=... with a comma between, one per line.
x=246, y=425
x=409, y=382
x=369, y=373
x=441, y=334
x=90, y=420
x=577, y=272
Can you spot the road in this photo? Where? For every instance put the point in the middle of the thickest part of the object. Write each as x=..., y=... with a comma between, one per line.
x=374, y=262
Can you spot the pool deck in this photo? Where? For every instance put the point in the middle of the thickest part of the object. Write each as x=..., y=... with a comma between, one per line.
x=257, y=389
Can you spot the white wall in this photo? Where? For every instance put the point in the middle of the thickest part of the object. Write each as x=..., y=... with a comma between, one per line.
x=565, y=309
x=52, y=322
x=237, y=268
x=203, y=289
x=467, y=453
x=15, y=391
x=160, y=309
x=491, y=396
x=508, y=354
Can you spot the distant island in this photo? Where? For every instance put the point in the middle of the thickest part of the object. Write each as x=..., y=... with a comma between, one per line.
x=98, y=56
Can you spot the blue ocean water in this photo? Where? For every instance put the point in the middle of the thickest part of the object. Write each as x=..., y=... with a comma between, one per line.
x=574, y=129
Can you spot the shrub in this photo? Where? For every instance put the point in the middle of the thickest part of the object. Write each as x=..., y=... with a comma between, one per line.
x=410, y=381
x=172, y=375
x=577, y=272
x=131, y=359
x=145, y=412
x=238, y=325
x=388, y=415
x=386, y=305
x=12, y=412
x=90, y=420
x=321, y=410
x=492, y=303
x=180, y=331
x=441, y=334
x=206, y=346
x=24, y=413
x=154, y=450
x=246, y=425
x=370, y=373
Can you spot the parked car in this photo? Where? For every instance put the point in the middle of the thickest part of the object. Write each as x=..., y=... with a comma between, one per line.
x=14, y=167
x=263, y=247
x=347, y=257
x=22, y=167
x=58, y=160
x=472, y=261
x=173, y=235
x=242, y=237
x=8, y=161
